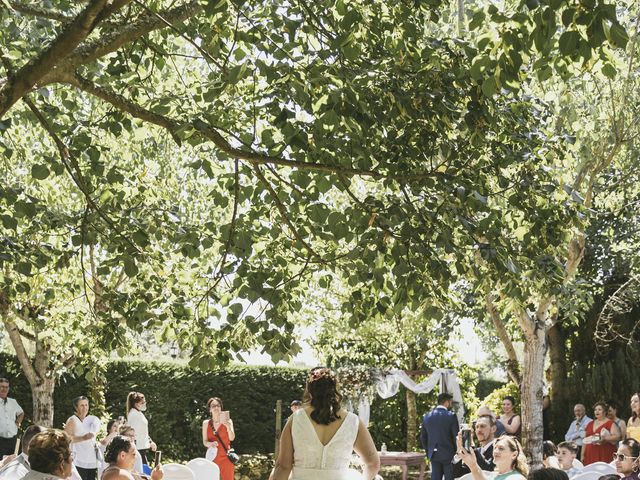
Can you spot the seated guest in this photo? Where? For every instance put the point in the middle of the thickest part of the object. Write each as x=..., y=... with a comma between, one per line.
x=633, y=425
x=19, y=466
x=50, y=456
x=626, y=459
x=120, y=456
x=548, y=474
x=577, y=429
x=485, y=428
x=130, y=433
x=486, y=411
x=549, y=458
x=567, y=457
x=511, y=464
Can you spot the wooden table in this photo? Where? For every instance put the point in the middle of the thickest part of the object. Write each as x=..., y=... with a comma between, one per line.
x=405, y=460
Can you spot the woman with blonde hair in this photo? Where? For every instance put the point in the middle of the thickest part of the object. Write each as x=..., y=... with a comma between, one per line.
x=633, y=425
x=508, y=457
x=318, y=440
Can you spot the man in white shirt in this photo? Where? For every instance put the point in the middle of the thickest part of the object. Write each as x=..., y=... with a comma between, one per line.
x=11, y=415
x=577, y=429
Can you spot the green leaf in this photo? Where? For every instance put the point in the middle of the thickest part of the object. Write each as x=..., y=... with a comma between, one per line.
x=618, y=36
x=609, y=71
x=489, y=87
x=568, y=42
x=40, y=172
x=130, y=267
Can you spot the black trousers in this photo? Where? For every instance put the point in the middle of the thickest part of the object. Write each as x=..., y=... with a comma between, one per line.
x=144, y=453
x=7, y=446
x=88, y=473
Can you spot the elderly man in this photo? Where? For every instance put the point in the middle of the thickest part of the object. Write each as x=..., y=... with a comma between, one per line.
x=485, y=428
x=121, y=457
x=577, y=429
x=11, y=415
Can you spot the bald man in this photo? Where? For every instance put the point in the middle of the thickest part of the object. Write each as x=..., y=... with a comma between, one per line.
x=577, y=429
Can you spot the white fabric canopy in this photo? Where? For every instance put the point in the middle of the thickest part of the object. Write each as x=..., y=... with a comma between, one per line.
x=389, y=384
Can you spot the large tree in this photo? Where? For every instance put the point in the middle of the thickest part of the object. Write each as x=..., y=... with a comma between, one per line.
x=359, y=142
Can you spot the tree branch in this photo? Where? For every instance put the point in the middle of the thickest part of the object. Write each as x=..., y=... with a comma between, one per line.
x=210, y=133
x=25, y=78
x=41, y=12
x=116, y=38
x=73, y=168
x=283, y=213
x=513, y=366
x=21, y=352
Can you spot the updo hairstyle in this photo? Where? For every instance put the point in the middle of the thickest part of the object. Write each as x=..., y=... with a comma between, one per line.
x=322, y=394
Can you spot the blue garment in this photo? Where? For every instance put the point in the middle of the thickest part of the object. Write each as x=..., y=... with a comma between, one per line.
x=438, y=437
x=577, y=431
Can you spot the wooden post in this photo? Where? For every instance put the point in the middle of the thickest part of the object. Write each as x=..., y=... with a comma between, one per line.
x=278, y=428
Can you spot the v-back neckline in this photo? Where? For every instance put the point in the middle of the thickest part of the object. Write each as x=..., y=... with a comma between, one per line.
x=315, y=434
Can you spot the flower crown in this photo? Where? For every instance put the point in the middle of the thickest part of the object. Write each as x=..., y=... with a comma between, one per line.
x=321, y=372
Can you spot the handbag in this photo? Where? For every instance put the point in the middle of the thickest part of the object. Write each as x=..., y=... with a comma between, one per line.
x=231, y=455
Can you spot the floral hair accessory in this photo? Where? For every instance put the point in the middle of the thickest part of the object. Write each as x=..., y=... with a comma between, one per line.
x=320, y=372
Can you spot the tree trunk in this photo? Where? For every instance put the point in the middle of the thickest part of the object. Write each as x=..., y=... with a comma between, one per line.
x=531, y=389
x=560, y=396
x=412, y=420
x=43, y=402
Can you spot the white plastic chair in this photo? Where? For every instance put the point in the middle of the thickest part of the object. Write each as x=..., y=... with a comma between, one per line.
x=204, y=469
x=469, y=476
x=175, y=471
x=600, y=467
x=592, y=475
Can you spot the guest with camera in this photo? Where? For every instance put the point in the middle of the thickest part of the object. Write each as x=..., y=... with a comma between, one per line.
x=218, y=433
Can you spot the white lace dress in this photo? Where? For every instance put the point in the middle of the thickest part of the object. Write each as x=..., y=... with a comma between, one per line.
x=314, y=461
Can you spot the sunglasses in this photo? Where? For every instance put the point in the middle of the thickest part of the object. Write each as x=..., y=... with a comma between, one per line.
x=621, y=457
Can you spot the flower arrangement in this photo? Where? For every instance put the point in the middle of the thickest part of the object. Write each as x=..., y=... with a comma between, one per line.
x=356, y=381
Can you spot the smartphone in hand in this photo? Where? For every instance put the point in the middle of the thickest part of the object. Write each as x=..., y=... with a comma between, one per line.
x=224, y=416
x=158, y=459
x=466, y=439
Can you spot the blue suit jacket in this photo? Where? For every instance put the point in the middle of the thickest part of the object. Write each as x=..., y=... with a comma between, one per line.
x=438, y=434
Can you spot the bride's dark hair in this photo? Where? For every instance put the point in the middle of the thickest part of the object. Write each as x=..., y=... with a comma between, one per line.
x=322, y=394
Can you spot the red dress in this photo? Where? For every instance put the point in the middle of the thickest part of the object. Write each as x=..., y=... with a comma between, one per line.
x=227, y=468
x=598, y=453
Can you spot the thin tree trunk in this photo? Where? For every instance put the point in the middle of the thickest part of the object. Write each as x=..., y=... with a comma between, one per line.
x=412, y=420
x=531, y=392
x=556, y=338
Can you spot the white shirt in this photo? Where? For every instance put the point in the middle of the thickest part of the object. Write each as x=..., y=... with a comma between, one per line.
x=9, y=411
x=85, y=451
x=140, y=424
x=17, y=468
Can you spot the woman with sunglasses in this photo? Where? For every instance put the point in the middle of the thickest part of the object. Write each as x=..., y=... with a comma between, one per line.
x=510, y=462
x=626, y=459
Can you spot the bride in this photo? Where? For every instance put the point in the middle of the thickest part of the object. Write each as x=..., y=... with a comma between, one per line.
x=318, y=440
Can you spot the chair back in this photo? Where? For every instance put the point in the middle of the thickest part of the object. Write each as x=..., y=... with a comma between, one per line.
x=587, y=476
x=204, y=469
x=600, y=467
x=175, y=471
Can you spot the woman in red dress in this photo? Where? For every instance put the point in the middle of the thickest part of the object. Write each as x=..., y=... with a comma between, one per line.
x=597, y=446
x=224, y=428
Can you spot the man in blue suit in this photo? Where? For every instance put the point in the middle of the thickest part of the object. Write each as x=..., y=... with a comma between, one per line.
x=438, y=437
